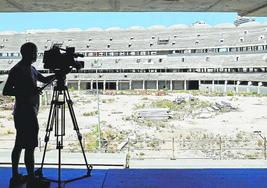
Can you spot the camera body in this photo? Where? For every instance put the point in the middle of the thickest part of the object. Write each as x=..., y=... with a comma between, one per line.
x=54, y=60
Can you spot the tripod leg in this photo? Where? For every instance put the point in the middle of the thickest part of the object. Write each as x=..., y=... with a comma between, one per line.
x=49, y=128
x=60, y=132
x=76, y=128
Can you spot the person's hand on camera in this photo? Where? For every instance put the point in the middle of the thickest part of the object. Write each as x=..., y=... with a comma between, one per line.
x=39, y=91
x=67, y=71
x=62, y=75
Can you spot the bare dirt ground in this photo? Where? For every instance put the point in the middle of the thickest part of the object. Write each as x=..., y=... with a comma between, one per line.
x=196, y=122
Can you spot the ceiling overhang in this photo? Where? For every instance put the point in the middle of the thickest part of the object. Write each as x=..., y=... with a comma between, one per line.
x=242, y=7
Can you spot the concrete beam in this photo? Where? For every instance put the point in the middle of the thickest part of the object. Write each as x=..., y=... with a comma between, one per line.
x=246, y=7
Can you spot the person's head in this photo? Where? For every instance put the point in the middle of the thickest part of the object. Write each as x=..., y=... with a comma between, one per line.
x=29, y=52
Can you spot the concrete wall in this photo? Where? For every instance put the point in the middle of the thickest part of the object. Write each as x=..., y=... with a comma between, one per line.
x=233, y=88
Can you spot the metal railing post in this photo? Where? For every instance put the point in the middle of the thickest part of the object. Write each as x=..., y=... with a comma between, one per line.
x=220, y=142
x=40, y=144
x=84, y=141
x=127, y=165
x=173, y=157
x=265, y=154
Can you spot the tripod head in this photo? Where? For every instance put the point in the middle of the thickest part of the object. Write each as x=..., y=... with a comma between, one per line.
x=60, y=78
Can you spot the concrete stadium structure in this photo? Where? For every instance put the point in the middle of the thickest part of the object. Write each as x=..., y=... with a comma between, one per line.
x=220, y=58
x=243, y=7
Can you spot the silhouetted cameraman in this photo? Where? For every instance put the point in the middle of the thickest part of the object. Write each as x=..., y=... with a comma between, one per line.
x=22, y=83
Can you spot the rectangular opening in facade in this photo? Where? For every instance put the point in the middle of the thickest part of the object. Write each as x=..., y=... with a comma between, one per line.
x=193, y=85
x=123, y=86
x=164, y=84
x=137, y=84
x=100, y=85
x=110, y=85
x=150, y=84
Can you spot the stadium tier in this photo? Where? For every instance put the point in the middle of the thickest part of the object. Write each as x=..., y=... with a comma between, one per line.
x=222, y=58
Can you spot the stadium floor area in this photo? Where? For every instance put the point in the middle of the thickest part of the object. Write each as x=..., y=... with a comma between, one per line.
x=155, y=178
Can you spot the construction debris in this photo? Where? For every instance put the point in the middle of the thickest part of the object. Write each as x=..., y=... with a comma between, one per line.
x=224, y=106
x=180, y=99
x=154, y=113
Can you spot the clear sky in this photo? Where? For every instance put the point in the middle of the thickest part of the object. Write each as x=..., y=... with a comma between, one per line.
x=26, y=21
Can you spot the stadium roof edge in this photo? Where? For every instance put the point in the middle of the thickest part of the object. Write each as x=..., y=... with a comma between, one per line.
x=242, y=7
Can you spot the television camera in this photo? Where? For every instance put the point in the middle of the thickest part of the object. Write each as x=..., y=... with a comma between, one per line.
x=56, y=61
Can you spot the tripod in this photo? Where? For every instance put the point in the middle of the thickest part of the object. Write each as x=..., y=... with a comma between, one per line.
x=56, y=119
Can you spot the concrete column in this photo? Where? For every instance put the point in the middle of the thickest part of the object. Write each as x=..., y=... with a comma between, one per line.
x=41, y=101
x=248, y=87
x=143, y=84
x=117, y=85
x=157, y=85
x=212, y=87
x=79, y=85
x=130, y=84
x=104, y=85
x=185, y=82
x=199, y=83
x=171, y=85
x=237, y=86
x=47, y=98
x=225, y=87
x=259, y=87
x=91, y=85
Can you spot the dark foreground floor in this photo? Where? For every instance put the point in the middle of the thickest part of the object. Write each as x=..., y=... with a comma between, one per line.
x=155, y=178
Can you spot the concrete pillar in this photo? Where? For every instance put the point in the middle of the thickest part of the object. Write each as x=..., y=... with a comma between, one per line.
x=143, y=84
x=212, y=87
x=185, y=82
x=237, y=86
x=44, y=97
x=248, y=87
x=104, y=85
x=157, y=85
x=199, y=83
x=41, y=101
x=91, y=85
x=130, y=84
x=79, y=85
x=117, y=85
x=47, y=97
x=171, y=85
x=259, y=86
x=225, y=87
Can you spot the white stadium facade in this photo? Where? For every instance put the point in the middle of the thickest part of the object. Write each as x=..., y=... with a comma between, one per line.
x=218, y=58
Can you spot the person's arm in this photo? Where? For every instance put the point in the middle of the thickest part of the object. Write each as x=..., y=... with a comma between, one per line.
x=9, y=88
x=45, y=79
